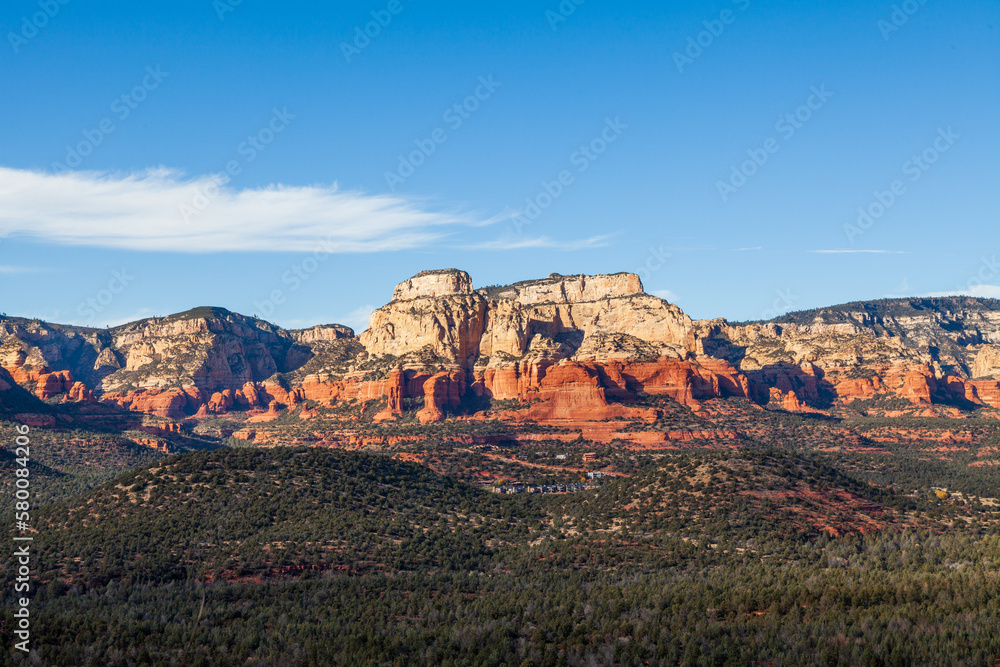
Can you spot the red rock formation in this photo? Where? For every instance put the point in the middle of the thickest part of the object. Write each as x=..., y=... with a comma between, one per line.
x=916, y=386
x=572, y=391
x=51, y=385
x=395, y=392
x=152, y=443
x=569, y=348
x=80, y=394
x=849, y=389
x=440, y=391
x=163, y=429
x=250, y=394
x=512, y=382
x=273, y=412
x=168, y=404
x=47, y=384
x=220, y=402
x=788, y=401
x=987, y=391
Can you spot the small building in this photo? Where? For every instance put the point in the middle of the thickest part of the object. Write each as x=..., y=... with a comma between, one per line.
x=560, y=457
x=589, y=457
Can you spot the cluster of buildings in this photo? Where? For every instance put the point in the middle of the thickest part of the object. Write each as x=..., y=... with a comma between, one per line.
x=548, y=488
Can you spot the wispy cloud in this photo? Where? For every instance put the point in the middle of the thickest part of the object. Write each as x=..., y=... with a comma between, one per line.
x=541, y=242
x=142, y=211
x=11, y=270
x=665, y=294
x=711, y=248
x=982, y=291
x=859, y=252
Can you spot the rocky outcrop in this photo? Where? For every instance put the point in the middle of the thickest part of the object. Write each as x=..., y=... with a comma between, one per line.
x=596, y=313
x=987, y=362
x=425, y=331
x=79, y=393
x=563, y=348
x=573, y=392
x=986, y=391
x=950, y=330
x=327, y=333
x=434, y=284
x=443, y=390
x=436, y=318
x=569, y=289
x=395, y=390
x=169, y=404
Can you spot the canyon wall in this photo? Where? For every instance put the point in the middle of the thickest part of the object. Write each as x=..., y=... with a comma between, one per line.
x=561, y=348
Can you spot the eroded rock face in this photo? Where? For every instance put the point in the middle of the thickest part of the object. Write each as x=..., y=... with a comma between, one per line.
x=448, y=282
x=444, y=329
x=215, y=353
x=325, y=332
x=395, y=390
x=573, y=392
x=79, y=393
x=578, y=308
x=441, y=391
x=987, y=391
x=571, y=289
x=168, y=404
x=987, y=362
x=437, y=317
x=564, y=348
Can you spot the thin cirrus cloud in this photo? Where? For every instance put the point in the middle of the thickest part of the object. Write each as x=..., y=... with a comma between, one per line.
x=8, y=270
x=981, y=291
x=859, y=252
x=161, y=210
x=541, y=242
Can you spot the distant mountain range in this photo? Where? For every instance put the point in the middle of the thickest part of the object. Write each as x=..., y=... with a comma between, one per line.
x=557, y=350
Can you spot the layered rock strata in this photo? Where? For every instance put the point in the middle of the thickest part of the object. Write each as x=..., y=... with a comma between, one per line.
x=564, y=348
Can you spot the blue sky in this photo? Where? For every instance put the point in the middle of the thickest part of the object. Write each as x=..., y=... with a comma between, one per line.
x=159, y=156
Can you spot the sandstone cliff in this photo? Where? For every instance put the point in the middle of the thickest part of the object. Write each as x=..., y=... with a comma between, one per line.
x=563, y=348
x=438, y=315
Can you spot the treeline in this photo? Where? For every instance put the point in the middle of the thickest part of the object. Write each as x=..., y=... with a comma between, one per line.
x=859, y=606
